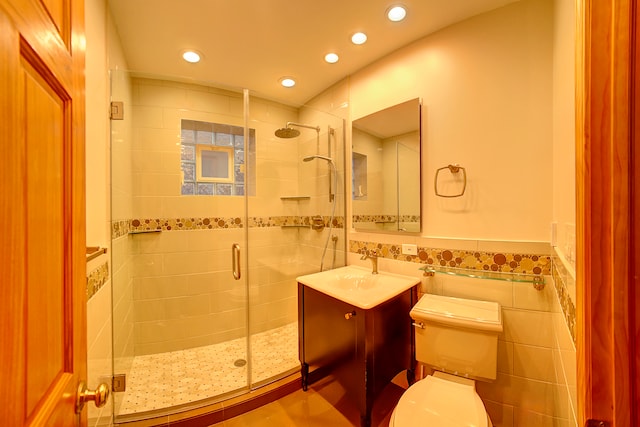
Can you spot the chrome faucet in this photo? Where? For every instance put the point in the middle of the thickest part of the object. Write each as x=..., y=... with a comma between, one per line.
x=373, y=256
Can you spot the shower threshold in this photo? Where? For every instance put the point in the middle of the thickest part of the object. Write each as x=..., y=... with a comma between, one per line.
x=178, y=380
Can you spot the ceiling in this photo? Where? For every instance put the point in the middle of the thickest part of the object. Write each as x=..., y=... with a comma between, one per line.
x=393, y=121
x=253, y=43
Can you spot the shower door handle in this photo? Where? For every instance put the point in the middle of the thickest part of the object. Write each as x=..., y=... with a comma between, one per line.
x=235, y=260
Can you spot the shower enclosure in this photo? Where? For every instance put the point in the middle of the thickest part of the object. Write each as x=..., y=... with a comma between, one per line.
x=213, y=217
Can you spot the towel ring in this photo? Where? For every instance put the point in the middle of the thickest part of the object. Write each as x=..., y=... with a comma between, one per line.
x=453, y=169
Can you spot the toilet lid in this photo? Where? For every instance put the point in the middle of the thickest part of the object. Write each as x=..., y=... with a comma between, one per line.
x=437, y=402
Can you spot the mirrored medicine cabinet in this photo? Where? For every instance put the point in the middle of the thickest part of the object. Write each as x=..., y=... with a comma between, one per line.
x=386, y=183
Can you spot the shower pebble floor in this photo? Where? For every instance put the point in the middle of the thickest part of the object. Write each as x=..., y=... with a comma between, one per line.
x=164, y=380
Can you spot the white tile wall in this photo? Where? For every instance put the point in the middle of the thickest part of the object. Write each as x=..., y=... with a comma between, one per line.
x=173, y=271
x=173, y=290
x=123, y=314
x=536, y=357
x=99, y=350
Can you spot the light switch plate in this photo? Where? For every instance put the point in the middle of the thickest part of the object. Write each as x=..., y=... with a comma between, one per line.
x=408, y=249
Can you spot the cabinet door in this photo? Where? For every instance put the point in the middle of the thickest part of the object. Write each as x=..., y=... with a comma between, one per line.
x=329, y=336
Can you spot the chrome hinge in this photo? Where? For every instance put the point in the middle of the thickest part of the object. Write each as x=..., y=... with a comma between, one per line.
x=117, y=110
x=119, y=382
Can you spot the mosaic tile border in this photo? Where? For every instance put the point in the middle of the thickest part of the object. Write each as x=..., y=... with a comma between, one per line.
x=561, y=277
x=121, y=228
x=487, y=261
x=172, y=224
x=96, y=279
x=384, y=218
x=476, y=260
x=280, y=221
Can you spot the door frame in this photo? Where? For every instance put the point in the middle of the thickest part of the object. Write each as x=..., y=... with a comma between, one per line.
x=607, y=235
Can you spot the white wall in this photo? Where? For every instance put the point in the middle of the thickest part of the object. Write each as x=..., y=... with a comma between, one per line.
x=97, y=125
x=486, y=88
x=564, y=170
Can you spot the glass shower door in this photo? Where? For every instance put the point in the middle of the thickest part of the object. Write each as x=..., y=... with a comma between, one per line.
x=211, y=225
x=285, y=195
x=180, y=317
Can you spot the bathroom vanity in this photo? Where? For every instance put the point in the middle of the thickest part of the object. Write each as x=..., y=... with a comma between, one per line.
x=363, y=340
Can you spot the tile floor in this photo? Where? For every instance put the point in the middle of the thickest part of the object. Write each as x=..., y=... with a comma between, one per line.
x=164, y=380
x=324, y=404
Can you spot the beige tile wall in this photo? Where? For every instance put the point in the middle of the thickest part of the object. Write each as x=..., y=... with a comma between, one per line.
x=183, y=293
x=99, y=350
x=180, y=280
x=122, y=306
x=535, y=385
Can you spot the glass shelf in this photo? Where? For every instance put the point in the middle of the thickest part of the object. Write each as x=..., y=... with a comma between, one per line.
x=94, y=252
x=155, y=230
x=536, y=279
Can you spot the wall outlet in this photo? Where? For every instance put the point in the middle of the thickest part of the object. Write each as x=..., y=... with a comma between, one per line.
x=408, y=249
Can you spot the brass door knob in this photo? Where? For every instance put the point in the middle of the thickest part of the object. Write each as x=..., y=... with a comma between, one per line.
x=99, y=396
x=349, y=315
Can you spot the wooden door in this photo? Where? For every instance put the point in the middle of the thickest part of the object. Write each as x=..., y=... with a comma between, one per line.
x=42, y=212
x=607, y=212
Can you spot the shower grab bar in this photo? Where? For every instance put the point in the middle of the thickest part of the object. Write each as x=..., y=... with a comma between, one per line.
x=235, y=260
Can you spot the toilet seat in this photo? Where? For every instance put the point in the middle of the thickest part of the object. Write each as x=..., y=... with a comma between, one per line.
x=438, y=402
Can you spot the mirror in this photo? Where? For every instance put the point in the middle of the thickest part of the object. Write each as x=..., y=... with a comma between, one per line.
x=385, y=165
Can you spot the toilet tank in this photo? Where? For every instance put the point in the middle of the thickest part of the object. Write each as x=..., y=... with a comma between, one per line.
x=457, y=335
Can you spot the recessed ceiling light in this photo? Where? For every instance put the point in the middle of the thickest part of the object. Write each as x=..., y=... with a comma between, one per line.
x=396, y=13
x=287, y=82
x=191, y=56
x=331, y=58
x=359, y=38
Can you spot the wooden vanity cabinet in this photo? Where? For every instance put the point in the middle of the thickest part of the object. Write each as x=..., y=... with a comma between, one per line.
x=363, y=349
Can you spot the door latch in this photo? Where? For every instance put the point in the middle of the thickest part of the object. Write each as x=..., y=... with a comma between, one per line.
x=596, y=423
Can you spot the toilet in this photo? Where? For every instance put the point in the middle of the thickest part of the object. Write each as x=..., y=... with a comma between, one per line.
x=458, y=338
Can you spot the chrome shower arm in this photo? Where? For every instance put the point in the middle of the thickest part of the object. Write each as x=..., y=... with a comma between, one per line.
x=302, y=125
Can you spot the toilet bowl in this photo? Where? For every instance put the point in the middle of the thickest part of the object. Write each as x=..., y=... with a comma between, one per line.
x=440, y=401
x=458, y=338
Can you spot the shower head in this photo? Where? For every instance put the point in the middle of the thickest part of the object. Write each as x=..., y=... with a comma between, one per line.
x=287, y=132
x=332, y=166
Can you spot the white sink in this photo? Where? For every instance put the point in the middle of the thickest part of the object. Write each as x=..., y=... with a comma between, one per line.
x=358, y=286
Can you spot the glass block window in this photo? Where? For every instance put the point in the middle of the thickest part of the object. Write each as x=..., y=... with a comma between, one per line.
x=215, y=160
